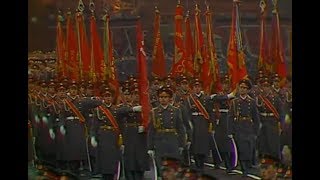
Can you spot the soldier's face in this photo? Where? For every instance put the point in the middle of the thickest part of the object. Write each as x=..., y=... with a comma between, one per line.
x=108, y=98
x=184, y=85
x=243, y=89
x=164, y=98
x=197, y=88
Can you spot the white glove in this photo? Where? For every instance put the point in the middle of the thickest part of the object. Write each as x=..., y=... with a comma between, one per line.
x=137, y=108
x=36, y=118
x=188, y=145
x=62, y=130
x=45, y=119
x=212, y=96
x=231, y=95
x=94, y=143
x=180, y=150
x=230, y=136
x=151, y=153
x=122, y=149
x=140, y=129
x=52, y=135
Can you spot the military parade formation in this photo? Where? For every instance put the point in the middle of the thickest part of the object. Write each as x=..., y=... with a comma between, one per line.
x=84, y=122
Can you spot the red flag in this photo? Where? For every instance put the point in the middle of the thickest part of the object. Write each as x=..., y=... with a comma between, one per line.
x=263, y=62
x=143, y=77
x=109, y=67
x=179, y=52
x=277, y=53
x=84, y=54
x=158, y=61
x=96, y=56
x=210, y=74
x=198, y=44
x=236, y=56
x=60, y=49
x=71, y=51
x=189, y=52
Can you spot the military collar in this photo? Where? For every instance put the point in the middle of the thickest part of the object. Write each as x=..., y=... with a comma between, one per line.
x=276, y=89
x=108, y=105
x=198, y=95
x=164, y=107
x=243, y=97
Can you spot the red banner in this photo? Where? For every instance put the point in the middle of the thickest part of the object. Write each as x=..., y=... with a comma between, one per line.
x=143, y=77
x=158, y=60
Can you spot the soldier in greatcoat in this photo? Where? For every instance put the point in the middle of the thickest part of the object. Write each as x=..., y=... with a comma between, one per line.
x=166, y=133
x=106, y=136
x=245, y=121
x=134, y=136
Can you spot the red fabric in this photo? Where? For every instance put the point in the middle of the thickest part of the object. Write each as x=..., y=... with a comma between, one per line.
x=158, y=60
x=60, y=50
x=199, y=57
x=72, y=52
x=143, y=77
x=210, y=74
x=179, y=58
x=84, y=47
x=277, y=53
x=264, y=61
x=96, y=56
x=235, y=57
x=189, y=49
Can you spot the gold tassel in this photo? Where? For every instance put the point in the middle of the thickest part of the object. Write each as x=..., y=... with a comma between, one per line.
x=120, y=140
x=210, y=129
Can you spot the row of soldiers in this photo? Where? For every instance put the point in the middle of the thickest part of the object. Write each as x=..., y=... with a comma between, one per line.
x=74, y=128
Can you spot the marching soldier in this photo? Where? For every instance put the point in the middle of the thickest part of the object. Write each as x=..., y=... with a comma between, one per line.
x=222, y=125
x=134, y=137
x=198, y=106
x=73, y=129
x=245, y=122
x=166, y=133
x=155, y=85
x=106, y=137
x=271, y=112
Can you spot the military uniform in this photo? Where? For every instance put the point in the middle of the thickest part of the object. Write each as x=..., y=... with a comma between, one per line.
x=271, y=113
x=245, y=122
x=135, y=151
x=166, y=133
x=202, y=126
x=107, y=136
x=73, y=147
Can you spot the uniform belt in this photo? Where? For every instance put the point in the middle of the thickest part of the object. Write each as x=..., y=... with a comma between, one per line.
x=222, y=110
x=71, y=118
x=167, y=130
x=105, y=127
x=196, y=114
x=131, y=124
x=245, y=118
x=266, y=114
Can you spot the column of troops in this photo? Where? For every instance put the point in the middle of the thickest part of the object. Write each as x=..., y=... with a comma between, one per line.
x=73, y=128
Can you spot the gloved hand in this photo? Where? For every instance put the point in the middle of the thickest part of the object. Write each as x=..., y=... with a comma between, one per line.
x=45, y=119
x=122, y=149
x=94, y=143
x=62, y=130
x=188, y=144
x=212, y=96
x=287, y=119
x=230, y=136
x=151, y=153
x=180, y=150
x=52, y=135
x=231, y=95
x=137, y=108
x=36, y=118
x=140, y=129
